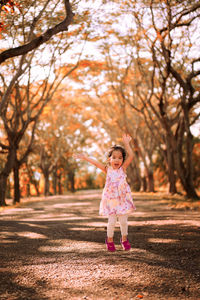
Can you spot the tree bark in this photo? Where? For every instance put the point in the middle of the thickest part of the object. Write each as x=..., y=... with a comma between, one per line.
x=17, y=193
x=150, y=181
x=8, y=189
x=28, y=190
x=71, y=178
x=60, y=185
x=46, y=183
x=134, y=176
x=171, y=168
x=55, y=179
x=186, y=181
x=144, y=184
x=3, y=185
x=32, y=180
x=36, y=186
x=4, y=176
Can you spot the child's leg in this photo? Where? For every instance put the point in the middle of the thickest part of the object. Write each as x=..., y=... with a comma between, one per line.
x=123, y=220
x=111, y=227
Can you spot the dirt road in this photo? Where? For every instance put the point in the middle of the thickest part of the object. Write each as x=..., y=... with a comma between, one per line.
x=54, y=249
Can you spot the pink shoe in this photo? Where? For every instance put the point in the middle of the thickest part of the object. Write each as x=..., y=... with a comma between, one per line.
x=125, y=245
x=110, y=246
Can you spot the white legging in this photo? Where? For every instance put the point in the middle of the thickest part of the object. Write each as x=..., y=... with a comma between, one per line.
x=123, y=221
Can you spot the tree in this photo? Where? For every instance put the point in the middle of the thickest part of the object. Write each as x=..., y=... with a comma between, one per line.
x=172, y=80
x=23, y=109
x=59, y=135
x=154, y=69
x=31, y=97
x=112, y=111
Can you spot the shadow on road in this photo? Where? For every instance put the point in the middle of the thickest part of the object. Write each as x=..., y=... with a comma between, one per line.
x=56, y=247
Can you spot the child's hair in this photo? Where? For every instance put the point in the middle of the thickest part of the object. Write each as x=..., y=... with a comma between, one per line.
x=117, y=148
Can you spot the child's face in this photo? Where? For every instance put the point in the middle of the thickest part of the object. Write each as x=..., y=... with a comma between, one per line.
x=116, y=159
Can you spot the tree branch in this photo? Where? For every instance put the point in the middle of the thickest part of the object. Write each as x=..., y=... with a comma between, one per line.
x=43, y=38
x=177, y=23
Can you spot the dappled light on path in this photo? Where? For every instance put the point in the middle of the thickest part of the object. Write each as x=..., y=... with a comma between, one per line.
x=55, y=249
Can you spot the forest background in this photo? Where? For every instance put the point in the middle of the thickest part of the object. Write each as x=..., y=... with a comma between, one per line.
x=75, y=75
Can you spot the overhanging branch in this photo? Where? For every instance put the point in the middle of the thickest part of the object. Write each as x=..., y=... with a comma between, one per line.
x=35, y=43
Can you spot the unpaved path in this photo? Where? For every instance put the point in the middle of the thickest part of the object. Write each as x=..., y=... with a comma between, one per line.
x=54, y=249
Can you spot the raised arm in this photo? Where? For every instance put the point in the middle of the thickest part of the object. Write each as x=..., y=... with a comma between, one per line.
x=126, y=140
x=92, y=161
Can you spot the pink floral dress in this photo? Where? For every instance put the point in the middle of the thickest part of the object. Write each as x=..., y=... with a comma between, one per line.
x=116, y=197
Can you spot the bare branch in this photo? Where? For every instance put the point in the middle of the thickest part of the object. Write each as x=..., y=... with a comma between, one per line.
x=43, y=38
x=177, y=23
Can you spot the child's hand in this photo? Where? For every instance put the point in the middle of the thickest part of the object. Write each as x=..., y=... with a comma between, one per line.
x=126, y=138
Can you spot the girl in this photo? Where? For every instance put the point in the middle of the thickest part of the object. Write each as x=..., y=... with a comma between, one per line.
x=116, y=199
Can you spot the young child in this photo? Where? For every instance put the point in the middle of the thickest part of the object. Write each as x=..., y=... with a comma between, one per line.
x=116, y=202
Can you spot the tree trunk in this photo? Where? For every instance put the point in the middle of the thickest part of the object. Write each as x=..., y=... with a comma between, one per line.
x=191, y=193
x=185, y=178
x=189, y=163
x=171, y=169
x=4, y=176
x=17, y=194
x=144, y=184
x=149, y=177
x=36, y=185
x=55, y=180
x=46, y=184
x=32, y=180
x=59, y=185
x=150, y=181
x=3, y=185
x=8, y=189
x=28, y=190
x=184, y=174
x=182, y=163
x=134, y=178
x=71, y=177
